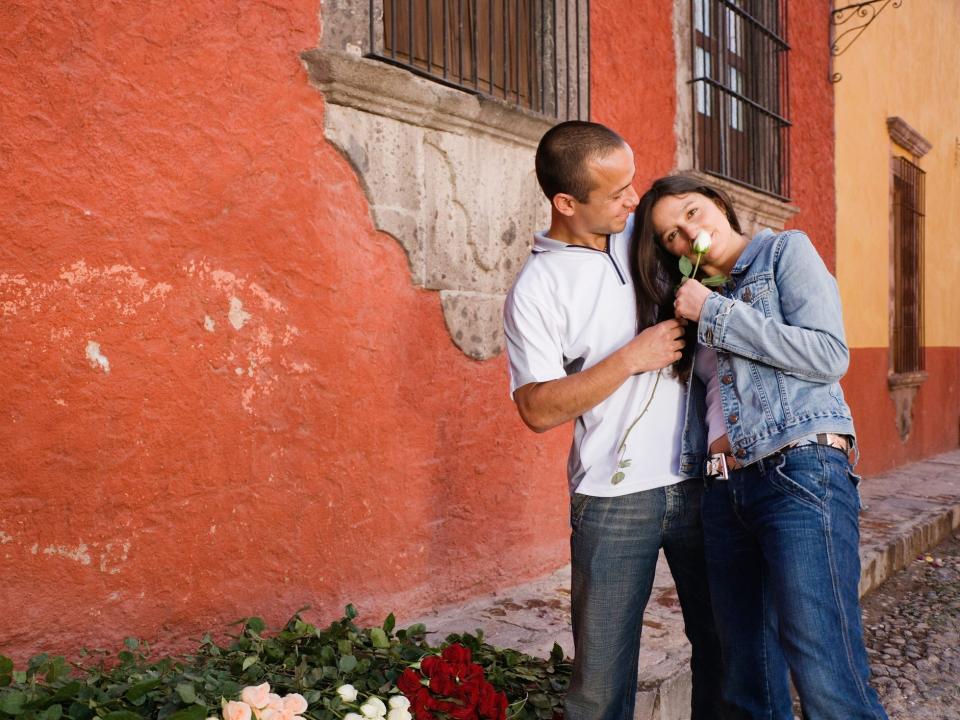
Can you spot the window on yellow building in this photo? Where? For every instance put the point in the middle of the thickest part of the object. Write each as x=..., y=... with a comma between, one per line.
x=908, y=219
x=741, y=130
x=530, y=53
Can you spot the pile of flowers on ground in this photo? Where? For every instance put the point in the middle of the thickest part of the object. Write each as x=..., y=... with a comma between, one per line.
x=258, y=703
x=300, y=672
x=451, y=685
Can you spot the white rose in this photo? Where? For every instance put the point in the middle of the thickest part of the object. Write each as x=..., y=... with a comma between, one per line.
x=399, y=714
x=347, y=693
x=373, y=708
x=701, y=243
x=399, y=701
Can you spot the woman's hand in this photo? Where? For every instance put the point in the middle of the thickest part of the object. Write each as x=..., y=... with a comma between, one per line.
x=690, y=299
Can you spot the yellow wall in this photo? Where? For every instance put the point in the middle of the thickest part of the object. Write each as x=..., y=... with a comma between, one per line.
x=906, y=64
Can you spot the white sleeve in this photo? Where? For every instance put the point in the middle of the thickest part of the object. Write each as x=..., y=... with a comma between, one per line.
x=534, y=346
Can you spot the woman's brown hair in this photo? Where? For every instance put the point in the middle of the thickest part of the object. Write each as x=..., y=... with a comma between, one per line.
x=655, y=272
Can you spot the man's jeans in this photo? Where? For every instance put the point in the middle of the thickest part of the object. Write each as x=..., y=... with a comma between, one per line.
x=614, y=547
x=781, y=541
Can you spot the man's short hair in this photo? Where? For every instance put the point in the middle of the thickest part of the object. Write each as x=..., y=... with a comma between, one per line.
x=565, y=152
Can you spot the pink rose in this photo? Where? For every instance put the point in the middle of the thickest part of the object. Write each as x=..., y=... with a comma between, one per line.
x=295, y=703
x=233, y=710
x=256, y=696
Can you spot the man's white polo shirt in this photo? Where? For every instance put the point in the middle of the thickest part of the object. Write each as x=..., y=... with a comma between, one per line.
x=570, y=307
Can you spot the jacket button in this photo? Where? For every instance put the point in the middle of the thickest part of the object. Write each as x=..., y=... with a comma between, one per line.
x=741, y=453
x=726, y=379
x=747, y=295
x=733, y=418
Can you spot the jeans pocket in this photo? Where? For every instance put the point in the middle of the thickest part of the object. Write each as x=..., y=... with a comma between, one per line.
x=800, y=473
x=855, y=481
x=578, y=504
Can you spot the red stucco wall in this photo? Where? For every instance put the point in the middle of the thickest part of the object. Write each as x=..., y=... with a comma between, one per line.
x=936, y=410
x=632, y=80
x=285, y=420
x=326, y=443
x=812, y=187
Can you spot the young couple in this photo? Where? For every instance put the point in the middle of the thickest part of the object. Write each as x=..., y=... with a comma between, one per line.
x=707, y=423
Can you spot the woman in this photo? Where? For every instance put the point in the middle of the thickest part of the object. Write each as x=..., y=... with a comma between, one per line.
x=767, y=425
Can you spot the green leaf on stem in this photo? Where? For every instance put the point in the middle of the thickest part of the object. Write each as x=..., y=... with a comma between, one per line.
x=686, y=267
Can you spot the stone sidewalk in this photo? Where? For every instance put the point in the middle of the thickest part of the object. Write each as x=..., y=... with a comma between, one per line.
x=905, y=511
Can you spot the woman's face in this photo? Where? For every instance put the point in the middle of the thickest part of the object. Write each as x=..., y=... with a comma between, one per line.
x=677, y=219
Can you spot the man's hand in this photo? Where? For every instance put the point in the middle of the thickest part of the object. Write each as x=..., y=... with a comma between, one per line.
x=690, y=299
x=656, y=347
x=545, y=405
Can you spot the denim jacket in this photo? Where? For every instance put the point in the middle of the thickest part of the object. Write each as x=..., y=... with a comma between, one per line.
x=777, y=329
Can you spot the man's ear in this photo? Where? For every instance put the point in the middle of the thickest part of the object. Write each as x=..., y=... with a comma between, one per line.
x=564, y=204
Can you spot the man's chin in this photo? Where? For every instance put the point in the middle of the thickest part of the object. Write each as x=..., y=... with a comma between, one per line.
x=618, y=226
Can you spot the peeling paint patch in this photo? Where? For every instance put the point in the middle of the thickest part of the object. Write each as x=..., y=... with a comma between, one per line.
x=61, y=402
x=208, y=324
x=78, y=553
x=96, y=358
x=4, y=538
x=112, y=555
x=237, y=315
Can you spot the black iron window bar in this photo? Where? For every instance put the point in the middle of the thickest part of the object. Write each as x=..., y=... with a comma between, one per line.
x=908, y=219
x=740, y=92
x=534, y=54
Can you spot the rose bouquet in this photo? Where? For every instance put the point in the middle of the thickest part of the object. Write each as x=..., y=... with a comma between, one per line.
x=450, y=686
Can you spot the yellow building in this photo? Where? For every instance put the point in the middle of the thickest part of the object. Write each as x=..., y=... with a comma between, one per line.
x=897, y=105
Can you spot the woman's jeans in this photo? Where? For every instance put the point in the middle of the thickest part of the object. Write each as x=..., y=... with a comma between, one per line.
x=782, y=542
x=614, y=547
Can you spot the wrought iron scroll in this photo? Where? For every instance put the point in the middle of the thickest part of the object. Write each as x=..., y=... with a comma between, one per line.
x=858, y=16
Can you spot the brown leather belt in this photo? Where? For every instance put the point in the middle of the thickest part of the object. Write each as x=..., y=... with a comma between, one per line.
x=719, y=465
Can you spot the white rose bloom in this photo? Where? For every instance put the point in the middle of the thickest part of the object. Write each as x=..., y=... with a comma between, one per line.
x=399, y=714
x=701, y=243
x=399, y=701
x=373, y=708
x=347, y=693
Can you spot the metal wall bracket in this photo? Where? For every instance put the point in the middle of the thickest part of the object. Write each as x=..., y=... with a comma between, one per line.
x=850, y=21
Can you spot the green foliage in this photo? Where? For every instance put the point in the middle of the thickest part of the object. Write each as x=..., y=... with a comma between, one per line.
x=299, y=658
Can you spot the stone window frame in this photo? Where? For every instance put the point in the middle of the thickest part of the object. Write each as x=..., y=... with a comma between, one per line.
x=448, y=173
x=903, y=386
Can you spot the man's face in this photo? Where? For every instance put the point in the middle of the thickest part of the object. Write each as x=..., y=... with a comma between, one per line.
x=612, y=198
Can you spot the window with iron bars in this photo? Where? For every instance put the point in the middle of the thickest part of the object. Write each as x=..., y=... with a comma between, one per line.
x=908, y=221
x=740, y=92
x=534, y=54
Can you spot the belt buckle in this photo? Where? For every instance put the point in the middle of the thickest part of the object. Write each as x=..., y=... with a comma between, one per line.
x=717, y=467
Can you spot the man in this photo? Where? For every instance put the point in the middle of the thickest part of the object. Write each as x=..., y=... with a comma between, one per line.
x=575, y=354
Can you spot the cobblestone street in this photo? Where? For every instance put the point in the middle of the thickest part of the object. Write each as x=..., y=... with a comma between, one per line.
x=912, y=629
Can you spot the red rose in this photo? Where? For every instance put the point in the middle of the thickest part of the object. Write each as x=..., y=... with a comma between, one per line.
x=409, y=683
x=456, y=654
x=493, y=704
x=442, y=680
x=429, y=664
